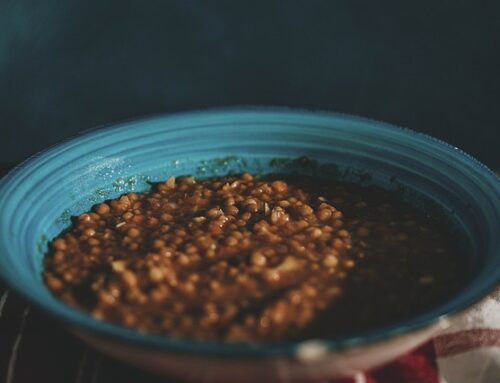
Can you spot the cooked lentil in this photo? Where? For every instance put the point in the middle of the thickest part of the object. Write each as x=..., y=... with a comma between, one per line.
x=253, y=259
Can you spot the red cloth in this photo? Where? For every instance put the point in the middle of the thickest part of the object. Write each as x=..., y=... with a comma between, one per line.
x=418, y=366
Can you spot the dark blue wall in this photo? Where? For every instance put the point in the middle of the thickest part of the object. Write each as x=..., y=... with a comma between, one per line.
x=66, y=66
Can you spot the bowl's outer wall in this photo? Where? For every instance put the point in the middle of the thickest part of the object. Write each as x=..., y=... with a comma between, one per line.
x=38, y=198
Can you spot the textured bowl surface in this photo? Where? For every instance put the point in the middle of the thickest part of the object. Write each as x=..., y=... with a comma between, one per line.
x=38, y=198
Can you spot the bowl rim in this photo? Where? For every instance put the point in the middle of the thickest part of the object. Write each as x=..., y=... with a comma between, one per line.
x=85, y=323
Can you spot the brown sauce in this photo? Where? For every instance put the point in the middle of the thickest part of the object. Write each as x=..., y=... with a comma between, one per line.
x=243, y=258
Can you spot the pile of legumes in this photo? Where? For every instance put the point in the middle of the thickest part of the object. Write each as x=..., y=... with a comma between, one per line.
x=245, y=258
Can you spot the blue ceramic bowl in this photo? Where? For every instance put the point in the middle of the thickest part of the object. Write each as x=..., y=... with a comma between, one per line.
x=38, y=198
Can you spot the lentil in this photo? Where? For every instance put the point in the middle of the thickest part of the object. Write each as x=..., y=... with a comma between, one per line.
x=253, y=259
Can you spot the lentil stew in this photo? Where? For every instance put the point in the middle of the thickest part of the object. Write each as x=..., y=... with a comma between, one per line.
x=245, y=258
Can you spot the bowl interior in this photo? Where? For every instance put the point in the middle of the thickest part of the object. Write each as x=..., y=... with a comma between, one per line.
x=38, y=198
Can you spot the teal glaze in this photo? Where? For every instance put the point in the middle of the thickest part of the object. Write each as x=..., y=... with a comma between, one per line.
x=39, y=196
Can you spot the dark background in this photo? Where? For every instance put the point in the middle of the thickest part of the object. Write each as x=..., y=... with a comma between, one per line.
x=66, y=66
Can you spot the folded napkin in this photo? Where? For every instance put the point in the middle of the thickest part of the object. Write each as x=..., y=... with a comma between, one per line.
x=467, y=352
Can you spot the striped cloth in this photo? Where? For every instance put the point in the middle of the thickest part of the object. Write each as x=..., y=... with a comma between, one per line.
x=34, y=348
x=467, y=352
